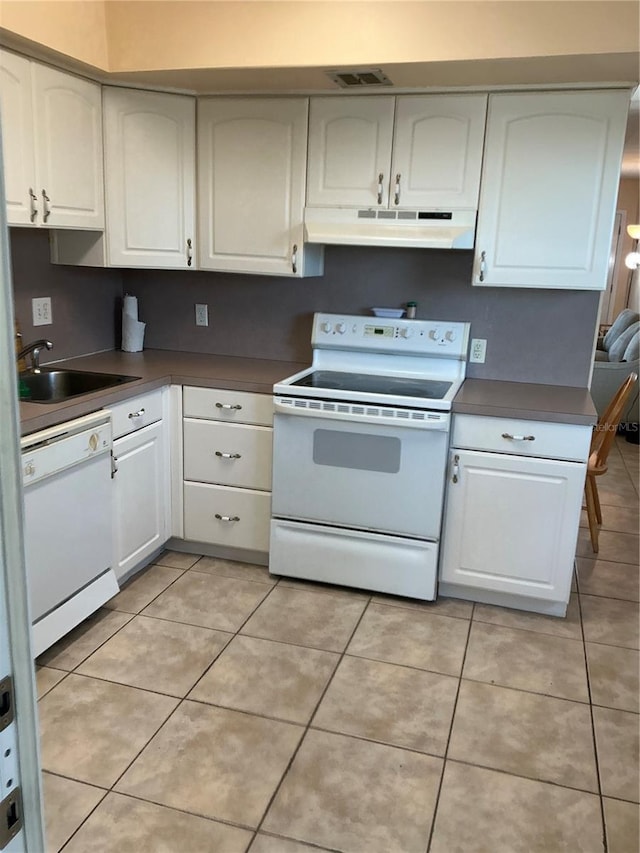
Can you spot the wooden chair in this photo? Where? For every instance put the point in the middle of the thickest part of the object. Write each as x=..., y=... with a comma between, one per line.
x=603, y=436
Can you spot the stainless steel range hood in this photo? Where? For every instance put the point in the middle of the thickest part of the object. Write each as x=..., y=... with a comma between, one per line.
x=422, y=229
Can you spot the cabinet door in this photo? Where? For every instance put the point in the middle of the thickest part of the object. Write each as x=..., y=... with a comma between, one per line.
x=141, y=497
x=16, y=113
x=68, y=134
x=350, y=151
x=150, y=169
x=511, y=524
x=437, y=151
x=251, y=169
x=549, y=187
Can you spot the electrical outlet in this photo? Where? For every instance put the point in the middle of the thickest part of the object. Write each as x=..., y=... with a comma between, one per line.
x=42, y=311
x=478, y=350
x=202, y=314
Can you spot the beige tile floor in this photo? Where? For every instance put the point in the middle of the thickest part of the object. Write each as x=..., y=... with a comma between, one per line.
x=210, y=708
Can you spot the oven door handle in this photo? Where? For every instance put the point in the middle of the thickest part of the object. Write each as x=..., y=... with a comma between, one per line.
x=438, y=421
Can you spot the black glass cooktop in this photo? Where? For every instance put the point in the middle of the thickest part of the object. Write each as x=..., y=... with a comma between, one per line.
x=367, y=383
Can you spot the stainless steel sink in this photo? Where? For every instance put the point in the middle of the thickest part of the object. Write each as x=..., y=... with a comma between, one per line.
x=55, y=386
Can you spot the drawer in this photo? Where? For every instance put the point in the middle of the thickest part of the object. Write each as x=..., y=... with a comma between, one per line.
x=249, y=513
x=136, y=412
x=230, y=454
x=522, y=437
x=232, y=406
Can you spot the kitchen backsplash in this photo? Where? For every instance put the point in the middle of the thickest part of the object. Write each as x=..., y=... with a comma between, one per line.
x=532, y=335
x=84, y=301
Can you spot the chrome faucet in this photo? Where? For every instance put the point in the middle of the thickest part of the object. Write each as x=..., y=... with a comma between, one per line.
x=34, y=351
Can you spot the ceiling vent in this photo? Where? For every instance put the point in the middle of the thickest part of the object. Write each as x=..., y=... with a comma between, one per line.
x=359, y=78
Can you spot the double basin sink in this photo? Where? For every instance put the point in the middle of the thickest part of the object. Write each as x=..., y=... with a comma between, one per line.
x=56, y=386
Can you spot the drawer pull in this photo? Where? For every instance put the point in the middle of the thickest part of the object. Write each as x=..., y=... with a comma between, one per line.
x=222, y=455
x=228, y=406
x=137, y=414
x=518, y=437
x=456, y=469
x=227, y=518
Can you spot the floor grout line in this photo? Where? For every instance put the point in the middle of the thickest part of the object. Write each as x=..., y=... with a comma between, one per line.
x=446, y=749
x=593, y=731
x=312, y=716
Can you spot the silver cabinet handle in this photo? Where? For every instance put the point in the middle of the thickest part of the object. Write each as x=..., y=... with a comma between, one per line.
x=456, y=469
x=137, y=414
x=228, y=406
x=483, y=265
x=33, y=198
x=380, y=187
x=114, y=465
x=222, y=455
x=227, y=517
x=518, y=437
x=294, y=258
x=396, y=197
x=45, y=205
x=189, y=252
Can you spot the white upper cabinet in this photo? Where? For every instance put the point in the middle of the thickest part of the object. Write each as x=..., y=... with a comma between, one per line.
x=437, y=151
x=17, y=140
x=251, y=184
x=349, y=151
x=549, y=187
x=422, y=151
x=52, y=136
x=68, y=133
x=149, y=142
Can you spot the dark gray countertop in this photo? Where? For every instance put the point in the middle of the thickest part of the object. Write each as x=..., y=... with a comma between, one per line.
x=156, y=368
x=553, y=403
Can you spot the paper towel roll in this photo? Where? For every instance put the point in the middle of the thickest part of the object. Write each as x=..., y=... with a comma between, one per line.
x=132, y=334
x=130, y=307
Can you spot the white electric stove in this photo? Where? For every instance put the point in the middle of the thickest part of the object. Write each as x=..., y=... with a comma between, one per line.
x=360, y=450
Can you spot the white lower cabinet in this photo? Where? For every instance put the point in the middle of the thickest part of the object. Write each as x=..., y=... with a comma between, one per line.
x=227, y=451
x=140, y=482
x=512, y=518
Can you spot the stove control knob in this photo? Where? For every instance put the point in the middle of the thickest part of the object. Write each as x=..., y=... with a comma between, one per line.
x=325, y=327
x=406, y=332
x=341, y=328
x=450, y=336
x=434, y=334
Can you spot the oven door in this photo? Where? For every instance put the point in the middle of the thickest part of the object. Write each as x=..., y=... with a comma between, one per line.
x=360, y=472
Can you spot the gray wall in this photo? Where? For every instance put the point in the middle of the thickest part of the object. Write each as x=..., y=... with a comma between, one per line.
x=533, y=335
x=84, y=302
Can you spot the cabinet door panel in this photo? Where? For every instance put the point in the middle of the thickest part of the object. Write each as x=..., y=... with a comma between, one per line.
x=549, y=188
x=349, y=147
x=17, y=138
x=511, y=524
x=437, y=150
x=140, y=497
x=251, y=156
x=150, y=166
x=68, y=129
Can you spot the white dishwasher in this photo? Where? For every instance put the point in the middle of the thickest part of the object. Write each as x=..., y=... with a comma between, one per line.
x=66, y=474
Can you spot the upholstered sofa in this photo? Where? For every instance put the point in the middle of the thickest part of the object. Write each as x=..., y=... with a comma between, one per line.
x=617, y=355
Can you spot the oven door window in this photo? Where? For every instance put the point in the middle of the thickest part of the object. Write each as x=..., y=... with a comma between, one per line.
x=357, y=450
